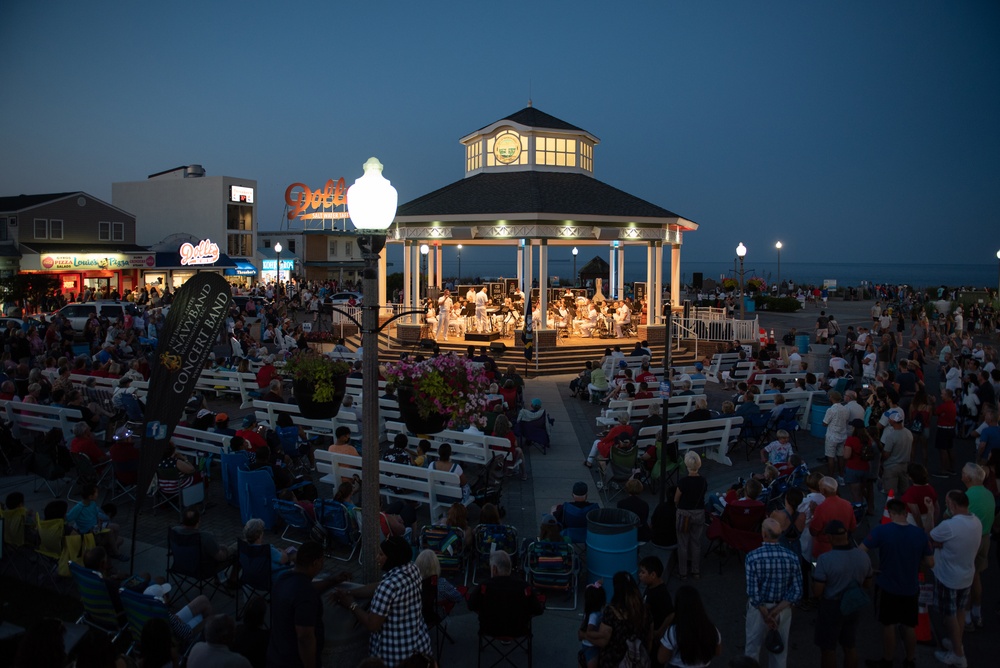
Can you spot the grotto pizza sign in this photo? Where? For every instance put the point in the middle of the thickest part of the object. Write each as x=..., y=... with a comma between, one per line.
x=93, y=261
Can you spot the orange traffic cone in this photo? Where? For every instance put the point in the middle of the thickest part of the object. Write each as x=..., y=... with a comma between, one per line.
x=923, y=629
x=885, y=512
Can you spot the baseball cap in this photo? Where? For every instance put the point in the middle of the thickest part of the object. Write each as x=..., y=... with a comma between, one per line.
x=834, y=528
x=894, y=415
x=536, y=403
x=622, y=364
x=858, y=423
x=203, y=412
x=222, y=417
x=699, y=366
x=122, y=433
x=580, y=488
x=159, y=591
x=249, y=420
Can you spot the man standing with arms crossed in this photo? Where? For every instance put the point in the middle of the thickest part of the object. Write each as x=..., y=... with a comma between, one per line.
x=482, y=322
x=902, y=548
x=774, y=584
x=955, y=542
x=897, y=444
x=983, y=506
x=444, y=314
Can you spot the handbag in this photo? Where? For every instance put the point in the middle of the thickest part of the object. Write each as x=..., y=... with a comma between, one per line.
x=853, y=600
x=773, y=642
x=683, y=524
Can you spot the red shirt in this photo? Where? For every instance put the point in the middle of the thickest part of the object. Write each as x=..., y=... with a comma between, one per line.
x=915, y=494
x=89, y=447
x=946, y=413
x=266, y=374
x=253, y=440
x=832, y=508
x=855, y=462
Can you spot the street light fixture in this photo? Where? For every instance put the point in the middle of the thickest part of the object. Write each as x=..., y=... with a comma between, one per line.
x=741, y=252
x=998, y=275
x=575, y=252
x=424, y=250
x=778, y=246
x=277, y=251
x=459, y=279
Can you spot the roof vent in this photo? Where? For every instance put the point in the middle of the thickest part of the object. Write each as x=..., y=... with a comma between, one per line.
x=194, y=171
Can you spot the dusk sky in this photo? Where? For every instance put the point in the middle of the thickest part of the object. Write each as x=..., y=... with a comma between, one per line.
x=851, y=131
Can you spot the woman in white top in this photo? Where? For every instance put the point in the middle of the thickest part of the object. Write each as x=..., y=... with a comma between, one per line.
x=692, y=641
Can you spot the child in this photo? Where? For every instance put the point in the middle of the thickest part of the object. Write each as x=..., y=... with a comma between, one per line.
x=419, y=457
x=594, y=600
x=86, y=517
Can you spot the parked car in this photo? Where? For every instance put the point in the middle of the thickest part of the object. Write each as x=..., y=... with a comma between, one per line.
x=78, y=313
x=22, y=324
x=344, y=298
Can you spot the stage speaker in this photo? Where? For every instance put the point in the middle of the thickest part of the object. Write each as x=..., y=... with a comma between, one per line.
x=696, y=280
x=498, y=348
x=428, y=344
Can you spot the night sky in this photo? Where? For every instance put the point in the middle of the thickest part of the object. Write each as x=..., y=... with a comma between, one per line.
x=852, y=131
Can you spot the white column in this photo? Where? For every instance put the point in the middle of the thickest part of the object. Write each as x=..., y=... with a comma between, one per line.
x=529, y=269
x=437, y=273
x=675, y=274
x=612, y=274
x=650, y=281
x=520, y=267
x=407, y=279
x=415, y=288
x=431, y=256
x=620, y=291
x=382, y=301
x=543, y=282
x=659, y=282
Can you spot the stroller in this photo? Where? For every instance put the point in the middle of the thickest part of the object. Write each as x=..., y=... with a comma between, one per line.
x=488, y=487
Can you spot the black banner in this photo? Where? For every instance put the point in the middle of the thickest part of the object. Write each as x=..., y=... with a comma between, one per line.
x=196, y=317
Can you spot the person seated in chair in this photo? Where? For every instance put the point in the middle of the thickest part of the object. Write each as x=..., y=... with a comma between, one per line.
x=579, y=501
x=739, y=496
x=505, y=604
x=602, y=446
x=700, y=411
x=210, y=549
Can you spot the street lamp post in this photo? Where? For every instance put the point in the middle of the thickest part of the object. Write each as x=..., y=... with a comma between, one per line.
x=277, y=251
x=741, y=252
x=424, y=250
x=778, y=246
x=459, y=279
x=371, y=203
x=998, y=276
x=576, y=283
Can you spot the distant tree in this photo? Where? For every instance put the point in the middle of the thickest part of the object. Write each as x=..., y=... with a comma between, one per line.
x=27, y=287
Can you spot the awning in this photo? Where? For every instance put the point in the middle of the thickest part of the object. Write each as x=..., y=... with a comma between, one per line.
x=242, y=268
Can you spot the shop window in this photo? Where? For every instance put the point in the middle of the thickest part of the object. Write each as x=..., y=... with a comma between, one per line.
x=291, y=245
x=239, y=217
x=239, y=245
x=41, y=228
x=265, y=243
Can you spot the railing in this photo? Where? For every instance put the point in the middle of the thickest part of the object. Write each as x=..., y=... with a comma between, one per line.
x=713, y=329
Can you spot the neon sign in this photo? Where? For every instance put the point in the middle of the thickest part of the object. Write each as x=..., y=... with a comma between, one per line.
x=334, y=194
x=206, y=252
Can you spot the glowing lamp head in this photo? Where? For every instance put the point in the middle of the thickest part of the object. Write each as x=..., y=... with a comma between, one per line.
x=459, y=246
x=778, y=245
x=371, y=201
x=998, y=254
x=424, y=249
x=575, y=250
x=741, y=250
x=277, y=248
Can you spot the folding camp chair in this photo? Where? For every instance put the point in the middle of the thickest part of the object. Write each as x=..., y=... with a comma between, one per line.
x=736, y=530
x=435, y=613
x=488, y=487
x=88, y=473
x=189, y=568
x=231, y=462
x=47, y=461
x=753, y=431
x=534, y=432
x=448, y=543
x=617, y=470
x=340, y=526
x=256, y=575
x=294, y=517
x=15, y=552
x=488, y=539
x=98, y=607
x=574, y=522
x=256, y=494
x=52, y=542
x=789, y=421
x=552, y=566
x=139, y=610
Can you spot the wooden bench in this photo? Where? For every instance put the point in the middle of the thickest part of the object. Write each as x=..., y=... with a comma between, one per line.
x=43, y=419
x=739, y=372
x=789, y=379
x=109, y=385
x=802, y=400
x=228, y=382
x=200, y=443
x=436, y=488
x=354, y=386
x=476, y=449
x=721, y=362
x=267, y=413
x=710, y=438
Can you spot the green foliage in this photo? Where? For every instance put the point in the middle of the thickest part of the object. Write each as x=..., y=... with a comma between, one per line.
x=393, y=282
x=27, y=286
x=319, y=369
x=777, y=304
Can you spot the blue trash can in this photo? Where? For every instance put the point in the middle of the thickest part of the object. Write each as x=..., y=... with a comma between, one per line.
x=816, y=415
x=612, y=545
x=802, y=341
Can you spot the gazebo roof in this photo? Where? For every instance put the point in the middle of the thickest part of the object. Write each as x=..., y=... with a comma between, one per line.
x=535, y=118
x=553, y=194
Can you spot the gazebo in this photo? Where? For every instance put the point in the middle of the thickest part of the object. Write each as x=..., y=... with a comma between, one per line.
x=529, y=183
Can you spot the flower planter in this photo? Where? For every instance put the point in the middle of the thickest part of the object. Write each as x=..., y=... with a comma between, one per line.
x=432, y=424
x=314, y=410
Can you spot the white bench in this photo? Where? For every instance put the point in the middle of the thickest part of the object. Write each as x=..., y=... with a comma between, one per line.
x=721, y=362
x=477, y=449
x=711, y=437
x=36, y=417
x=396, y=481
x=201, y=443
x=229, y=382
x=802, y=400
x=80, y=381
x=789, y=379
x=267, y=412
x=354, y=386
x=739, y=372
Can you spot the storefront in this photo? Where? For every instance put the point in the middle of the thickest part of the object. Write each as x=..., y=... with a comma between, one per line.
x=105, y=272
x=173, y=269
x=269, y=273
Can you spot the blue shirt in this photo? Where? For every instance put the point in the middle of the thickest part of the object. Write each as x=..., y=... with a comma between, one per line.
x=901, y=548
x=991, y=438
x=773, y=575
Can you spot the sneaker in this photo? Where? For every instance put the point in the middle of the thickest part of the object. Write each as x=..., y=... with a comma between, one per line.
x=840, y=480
x=946, y=643
x=949, y=658
x=978, y=621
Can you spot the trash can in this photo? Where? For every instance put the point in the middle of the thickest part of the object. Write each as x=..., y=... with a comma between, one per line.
x=612, y=545
x=816, y=415
x=802, y=341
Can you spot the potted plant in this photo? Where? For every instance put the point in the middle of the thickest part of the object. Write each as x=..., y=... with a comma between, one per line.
x=319, y=383
x=440, y=392
x=756, y=284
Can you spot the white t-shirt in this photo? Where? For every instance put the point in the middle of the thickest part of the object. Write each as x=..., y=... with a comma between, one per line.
x=955, y=560
x=669, y=640
x=836, y=423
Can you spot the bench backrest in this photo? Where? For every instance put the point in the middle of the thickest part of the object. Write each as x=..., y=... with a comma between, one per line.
x=209, y=443
x=466, y=448
x=711, y=436
x=267, y=412
x=802, y=400
x=37, y=417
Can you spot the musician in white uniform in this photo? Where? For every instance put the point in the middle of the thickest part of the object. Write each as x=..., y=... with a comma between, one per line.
x=431, y=318
x=622, y=315
x=445, y=306
x=482, y=321
x=587, y=325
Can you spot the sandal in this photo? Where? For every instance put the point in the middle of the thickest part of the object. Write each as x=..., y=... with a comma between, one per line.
x=589, y=464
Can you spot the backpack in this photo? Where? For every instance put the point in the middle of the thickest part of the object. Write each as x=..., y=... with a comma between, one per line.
x=636, y=655
x=867, y=453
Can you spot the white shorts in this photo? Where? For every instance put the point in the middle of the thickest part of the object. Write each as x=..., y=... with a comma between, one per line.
x=833, y=448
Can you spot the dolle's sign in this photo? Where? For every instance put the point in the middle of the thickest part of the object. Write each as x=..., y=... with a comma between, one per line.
x=206, y=252
x=300, y=199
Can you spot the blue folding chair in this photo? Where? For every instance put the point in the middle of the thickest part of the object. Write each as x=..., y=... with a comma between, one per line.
x=294, y=517
x=574, y=524
x=256, y=574
x=256, y=493
x=340, y=528
x=139, y=610
x=231, y=462
x=98, y=607
x=552, y=566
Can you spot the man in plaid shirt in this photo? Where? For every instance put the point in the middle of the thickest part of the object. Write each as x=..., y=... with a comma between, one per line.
x=774, y=583
x=395, y=617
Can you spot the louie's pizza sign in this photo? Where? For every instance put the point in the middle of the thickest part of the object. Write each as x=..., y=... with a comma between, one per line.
x=95, y=261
